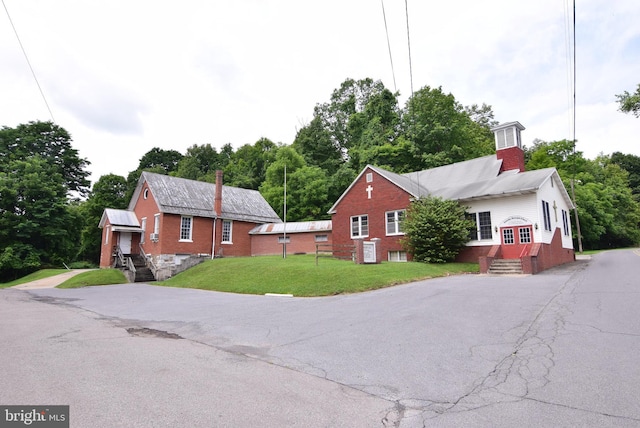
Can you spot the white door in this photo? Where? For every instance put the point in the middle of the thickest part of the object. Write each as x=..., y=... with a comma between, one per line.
x=125, y=242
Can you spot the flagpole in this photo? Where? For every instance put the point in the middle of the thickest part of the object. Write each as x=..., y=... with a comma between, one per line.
x=284, y=241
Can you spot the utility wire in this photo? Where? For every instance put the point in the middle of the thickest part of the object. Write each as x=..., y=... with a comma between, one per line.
x=406, y=8
x=26, y=57
x=393, y=73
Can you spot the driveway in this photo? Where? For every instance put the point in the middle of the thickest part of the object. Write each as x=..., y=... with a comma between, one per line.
x=50, y=282
x=554, y=349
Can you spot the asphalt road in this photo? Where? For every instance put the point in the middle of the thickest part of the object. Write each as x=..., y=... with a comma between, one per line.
x=558, y=349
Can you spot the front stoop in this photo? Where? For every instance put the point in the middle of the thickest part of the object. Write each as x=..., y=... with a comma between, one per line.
x=506, y=267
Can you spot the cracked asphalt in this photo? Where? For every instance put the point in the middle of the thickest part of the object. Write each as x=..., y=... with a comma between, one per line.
x=558, y=349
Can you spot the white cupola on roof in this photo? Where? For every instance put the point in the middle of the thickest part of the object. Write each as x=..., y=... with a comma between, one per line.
x=509, y=146
x=508, y=135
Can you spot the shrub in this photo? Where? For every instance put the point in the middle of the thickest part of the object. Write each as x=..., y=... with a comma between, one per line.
x=435, y=229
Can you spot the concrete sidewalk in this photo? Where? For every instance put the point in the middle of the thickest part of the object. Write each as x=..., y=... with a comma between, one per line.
x=50, y=282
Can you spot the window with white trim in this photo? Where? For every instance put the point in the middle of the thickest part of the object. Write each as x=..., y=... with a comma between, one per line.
x=525, y=235
x=507, y=236
x=186, y=226
x=360, y=226
x=107, y=232
x=227, y=231
x=394, y=221
x=565, y=222
x=482, y=225
x=397, y=256
x=156, y=223
x=484, y=221
x=546, y=216
x=282, y=240
x=144, y=229
x=322, y=238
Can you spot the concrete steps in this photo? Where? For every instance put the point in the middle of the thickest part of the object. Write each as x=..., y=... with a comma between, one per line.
x=143, y=273
x=506, y=267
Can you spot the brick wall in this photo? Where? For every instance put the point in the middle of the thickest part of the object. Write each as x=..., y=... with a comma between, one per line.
x=385, y=196
x=241, y=245
x=512, y=158
x=302, y=242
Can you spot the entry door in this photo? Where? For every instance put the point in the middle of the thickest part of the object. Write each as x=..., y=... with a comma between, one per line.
x=125, y=242
x=515, y=241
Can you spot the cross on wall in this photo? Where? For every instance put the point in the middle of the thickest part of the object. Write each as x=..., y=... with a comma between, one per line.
x=369, y=189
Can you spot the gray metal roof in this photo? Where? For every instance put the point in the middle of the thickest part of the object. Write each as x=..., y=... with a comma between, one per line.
x=292, y=227
x=189, y=197
x=474, y=179
x=119, y=218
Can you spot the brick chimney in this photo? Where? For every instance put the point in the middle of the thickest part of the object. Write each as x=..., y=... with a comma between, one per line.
x=509, y=146
x=217, y=200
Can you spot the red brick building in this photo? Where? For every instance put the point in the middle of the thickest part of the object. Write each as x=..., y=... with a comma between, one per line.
x=519, y=215
x=172, y=223
x=300, y=237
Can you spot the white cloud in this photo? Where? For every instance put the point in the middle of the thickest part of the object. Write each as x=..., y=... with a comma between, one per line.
x=124, y=77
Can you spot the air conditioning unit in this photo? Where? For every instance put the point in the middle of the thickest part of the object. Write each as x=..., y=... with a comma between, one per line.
x=154, y=237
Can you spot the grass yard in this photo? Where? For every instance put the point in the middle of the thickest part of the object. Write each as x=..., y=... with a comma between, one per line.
x=95, y=277
x=299, y=275
x=41, y=274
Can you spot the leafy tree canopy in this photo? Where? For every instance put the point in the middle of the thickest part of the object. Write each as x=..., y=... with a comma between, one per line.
x=159, y=158
x=608, y=212
x=630, y=103
x=36, y=225
x=52, y=144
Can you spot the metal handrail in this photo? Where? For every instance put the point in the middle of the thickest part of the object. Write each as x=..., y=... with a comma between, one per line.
x=118, y=253
x=130, y=265
x=150, y=264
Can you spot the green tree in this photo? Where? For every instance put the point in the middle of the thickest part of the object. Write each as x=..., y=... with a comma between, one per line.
x=631, y=164
x=36, y=225
x=247, y=166
x=51, y=143
x=630, y=103
x=199, y=163
x=609, y=215
x=108, y=192
x=435, y=229
x=346, y=119
x=315, y=144
x=307, y=187
x=159, y=158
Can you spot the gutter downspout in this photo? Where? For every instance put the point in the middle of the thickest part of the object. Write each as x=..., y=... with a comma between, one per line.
x=213, y=244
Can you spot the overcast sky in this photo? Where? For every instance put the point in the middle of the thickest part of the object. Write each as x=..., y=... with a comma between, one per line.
x=126, y=76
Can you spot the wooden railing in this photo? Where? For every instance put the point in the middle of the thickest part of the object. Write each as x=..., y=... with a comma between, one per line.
x=122, y=261
x=344, y=251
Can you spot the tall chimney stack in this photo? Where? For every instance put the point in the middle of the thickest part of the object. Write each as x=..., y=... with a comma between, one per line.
x=217, y=200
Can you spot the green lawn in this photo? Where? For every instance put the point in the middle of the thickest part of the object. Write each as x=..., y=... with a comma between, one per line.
x=95, y=277
x=299, y=275
x=41, y=274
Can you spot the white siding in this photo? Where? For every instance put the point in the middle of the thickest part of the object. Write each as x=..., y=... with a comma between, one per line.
x=525, y=207
x=552, y=194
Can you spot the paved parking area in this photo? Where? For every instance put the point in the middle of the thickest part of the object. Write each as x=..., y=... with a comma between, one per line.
x=555, y=349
